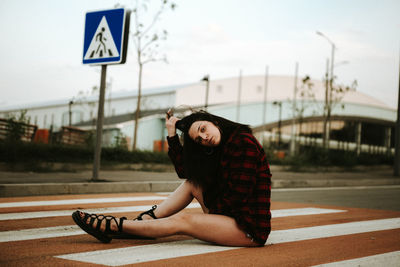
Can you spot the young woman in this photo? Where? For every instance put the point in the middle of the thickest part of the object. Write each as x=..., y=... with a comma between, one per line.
x=226, y=171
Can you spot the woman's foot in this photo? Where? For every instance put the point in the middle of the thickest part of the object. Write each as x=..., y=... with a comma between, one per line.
x=102, y=227
x=113, y=223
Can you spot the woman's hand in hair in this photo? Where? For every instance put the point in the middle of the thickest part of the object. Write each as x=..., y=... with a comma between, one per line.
x=170, y=124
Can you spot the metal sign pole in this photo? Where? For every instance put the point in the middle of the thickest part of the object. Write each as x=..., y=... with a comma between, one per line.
x=99, y=128
x=105, y=42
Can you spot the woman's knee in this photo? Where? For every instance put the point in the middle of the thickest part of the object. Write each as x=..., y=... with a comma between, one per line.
x=182, y=218
x=196, y=192
x=182, y=221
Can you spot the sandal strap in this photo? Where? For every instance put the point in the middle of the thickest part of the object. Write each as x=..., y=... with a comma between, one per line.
x=100, y=218
x=92, y=217
x=109, y=219
x=108, y=223
x=150, y=212
x=121, y=222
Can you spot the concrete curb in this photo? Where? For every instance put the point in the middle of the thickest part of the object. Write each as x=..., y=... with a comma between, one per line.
x=18, y=190
x=281, y=183
x=40, y=189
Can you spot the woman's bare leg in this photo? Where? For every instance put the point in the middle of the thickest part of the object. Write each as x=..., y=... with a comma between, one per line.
x=213, y=228
x=219, y=229
x=178, y=200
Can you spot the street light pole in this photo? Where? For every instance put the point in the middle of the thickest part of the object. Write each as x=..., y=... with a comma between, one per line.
x=264, y=115
x=239, y=96
x=396, y=169
x=324, y=131
x=330, y=86
x=279, y=104
x=70, y=112
x=207, y=80
x=294, y=108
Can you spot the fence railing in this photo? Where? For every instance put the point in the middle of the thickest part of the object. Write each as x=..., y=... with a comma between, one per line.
x=25, y=132
x=19, y=131
x=72, y=136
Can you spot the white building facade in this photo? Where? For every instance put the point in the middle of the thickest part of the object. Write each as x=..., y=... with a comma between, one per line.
x=253, y=100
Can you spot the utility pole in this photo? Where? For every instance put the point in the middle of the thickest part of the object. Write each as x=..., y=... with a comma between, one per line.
x=239, y=96
x=264, y=114
x=397, y=136
x=71, y=102
x=207, y=80
x=279, y=104
x=326, y=106
x=294, y=107
x=330, y=87
x=328, y=133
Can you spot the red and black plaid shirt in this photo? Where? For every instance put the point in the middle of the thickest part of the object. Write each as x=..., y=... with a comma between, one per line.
x=246, y=174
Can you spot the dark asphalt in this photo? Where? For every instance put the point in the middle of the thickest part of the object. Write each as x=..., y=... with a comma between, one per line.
x=376, y=197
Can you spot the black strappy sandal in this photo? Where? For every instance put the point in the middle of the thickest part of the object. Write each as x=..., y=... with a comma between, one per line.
x=150, y=212
x=105, y=236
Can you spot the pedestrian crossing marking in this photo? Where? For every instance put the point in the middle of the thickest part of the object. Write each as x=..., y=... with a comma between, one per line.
x=69, y=230
x=146, y=253
x=78, y=201
x=302, y=211
x=102, y=44
x=57, y=213
x=36, y=233
x=292, y=235
x=164, y=249
x=385, y=259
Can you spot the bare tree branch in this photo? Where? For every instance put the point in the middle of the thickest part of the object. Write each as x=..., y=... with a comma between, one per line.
x=146, y=44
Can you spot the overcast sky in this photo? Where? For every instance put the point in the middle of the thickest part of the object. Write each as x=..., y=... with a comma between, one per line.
x=41, y=45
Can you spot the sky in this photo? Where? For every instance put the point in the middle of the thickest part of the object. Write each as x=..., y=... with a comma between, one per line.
x=41, y=45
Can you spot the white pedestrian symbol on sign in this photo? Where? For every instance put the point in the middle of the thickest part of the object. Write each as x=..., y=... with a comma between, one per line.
x=102, y=44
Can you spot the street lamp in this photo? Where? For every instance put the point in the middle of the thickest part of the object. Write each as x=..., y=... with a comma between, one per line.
x=279, y=104
x=329, y=100
x=207, y=80
x=70, y=112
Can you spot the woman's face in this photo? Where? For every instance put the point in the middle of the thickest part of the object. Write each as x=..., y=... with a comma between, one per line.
x=205, y=133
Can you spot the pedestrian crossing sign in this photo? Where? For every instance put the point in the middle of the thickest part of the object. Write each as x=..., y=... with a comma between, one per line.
x=106, y=37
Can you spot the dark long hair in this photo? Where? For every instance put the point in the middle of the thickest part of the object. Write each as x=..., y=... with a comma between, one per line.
x=201, y=163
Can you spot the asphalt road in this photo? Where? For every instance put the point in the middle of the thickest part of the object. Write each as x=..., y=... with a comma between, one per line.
x=378, y=197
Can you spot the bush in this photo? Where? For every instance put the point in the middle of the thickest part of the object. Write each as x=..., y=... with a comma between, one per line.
x=33, y=152
x=122, y=155
x=30, y=153
x=318, y=157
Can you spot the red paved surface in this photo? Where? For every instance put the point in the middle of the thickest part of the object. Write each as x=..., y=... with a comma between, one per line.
x=41, y=252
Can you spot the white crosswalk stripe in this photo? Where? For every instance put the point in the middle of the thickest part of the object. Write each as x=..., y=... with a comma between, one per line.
x=57, y=213
x=176, y=249
x=69, y=230
x=78, y=201
x=385, y=259
x=36, y=233
x=139, y=254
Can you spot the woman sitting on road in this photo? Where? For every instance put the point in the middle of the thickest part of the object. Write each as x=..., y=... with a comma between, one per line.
x=226, y=171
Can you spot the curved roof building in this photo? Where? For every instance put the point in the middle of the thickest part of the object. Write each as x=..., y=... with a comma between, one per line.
x=277, y=110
